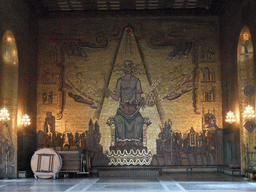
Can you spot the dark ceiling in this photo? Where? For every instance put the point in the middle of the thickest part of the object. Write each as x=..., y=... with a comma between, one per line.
x=43, y=7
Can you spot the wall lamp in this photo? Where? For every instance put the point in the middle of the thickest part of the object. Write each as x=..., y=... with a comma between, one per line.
x=25, y=121
x=230, y=118
x=249, y=113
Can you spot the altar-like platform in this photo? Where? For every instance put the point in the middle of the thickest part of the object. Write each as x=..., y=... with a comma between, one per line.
x=151, y=171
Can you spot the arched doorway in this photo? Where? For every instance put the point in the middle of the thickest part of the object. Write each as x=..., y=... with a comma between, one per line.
x=9, y=99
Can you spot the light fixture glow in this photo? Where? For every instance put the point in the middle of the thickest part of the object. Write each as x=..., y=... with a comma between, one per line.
x=230, y=118
x=4, y=115
x=25, y=120
x=249, y=112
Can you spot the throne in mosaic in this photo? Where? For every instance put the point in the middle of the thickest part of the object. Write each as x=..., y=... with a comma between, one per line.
x=127, y=145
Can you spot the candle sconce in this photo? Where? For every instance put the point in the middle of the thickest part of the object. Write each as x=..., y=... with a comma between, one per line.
x=25, y=121
x=249, y=117
x=249, y=113
x=4, y=115
x=230, y=118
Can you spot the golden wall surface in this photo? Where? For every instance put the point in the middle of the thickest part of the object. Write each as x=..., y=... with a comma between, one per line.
x=9, y=97
x=246, y=78
x=176, y=59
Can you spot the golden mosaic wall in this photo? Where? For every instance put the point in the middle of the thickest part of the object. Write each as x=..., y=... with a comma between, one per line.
x=9, y=98
x=176, y=59
x=246, y=78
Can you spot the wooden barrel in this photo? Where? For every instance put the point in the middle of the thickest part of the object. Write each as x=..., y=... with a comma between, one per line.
x=46, y=163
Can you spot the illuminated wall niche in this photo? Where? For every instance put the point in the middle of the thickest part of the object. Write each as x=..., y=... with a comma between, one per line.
x=9, y=95
x=246, y=87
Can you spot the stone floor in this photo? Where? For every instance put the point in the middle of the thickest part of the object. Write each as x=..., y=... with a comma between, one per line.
x=207, y=182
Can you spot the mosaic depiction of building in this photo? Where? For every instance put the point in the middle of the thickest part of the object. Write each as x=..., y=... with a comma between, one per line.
x=177, y=63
